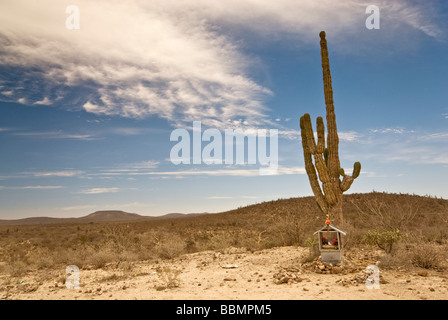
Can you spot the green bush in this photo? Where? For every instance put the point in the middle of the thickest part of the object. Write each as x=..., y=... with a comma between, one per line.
x=383, y=239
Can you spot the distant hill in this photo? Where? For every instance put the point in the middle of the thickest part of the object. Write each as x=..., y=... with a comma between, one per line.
x=112, y=215
x=98, y=216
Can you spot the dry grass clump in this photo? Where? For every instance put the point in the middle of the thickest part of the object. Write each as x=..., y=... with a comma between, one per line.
x=428, y=256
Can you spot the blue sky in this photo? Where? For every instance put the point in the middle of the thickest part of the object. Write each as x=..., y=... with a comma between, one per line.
x=86, y=114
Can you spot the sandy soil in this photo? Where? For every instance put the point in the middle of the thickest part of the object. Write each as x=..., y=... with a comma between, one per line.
x=234, y=274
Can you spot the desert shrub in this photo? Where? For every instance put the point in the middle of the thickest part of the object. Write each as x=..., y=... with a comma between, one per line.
x=354, y=237
x=401, y=257
x=169, y=246
x=168, y=277
x=313, y=249
x=100, y=258
x=427, y=255
x=17, y=268
x=385, y=240
x=291, y=228
x=43, y=259
x=385, y=213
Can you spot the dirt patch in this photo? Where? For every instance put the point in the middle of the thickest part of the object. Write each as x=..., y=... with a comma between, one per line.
x=271, y=274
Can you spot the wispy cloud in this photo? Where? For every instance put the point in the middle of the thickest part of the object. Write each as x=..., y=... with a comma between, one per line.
x=37, y=187
x=293, y=134
x=405, y=145
x=129, y=169
x=42, y=187
x=225, y=172
x=66, y=173
x=54, y=135
x=100, y=190
x=150, y=164
x=391, y=130
x=44, y=101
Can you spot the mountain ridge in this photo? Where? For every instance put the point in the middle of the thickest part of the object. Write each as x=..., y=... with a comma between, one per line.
x=97, y=216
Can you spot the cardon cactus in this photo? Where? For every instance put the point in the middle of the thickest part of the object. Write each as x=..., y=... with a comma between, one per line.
x=328, y=194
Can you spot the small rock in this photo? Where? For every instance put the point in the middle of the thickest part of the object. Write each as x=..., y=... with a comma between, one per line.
x=336, y=270
x=229, y=279
x=432, y=289
x=230, y=266
x=423, y=273
x=284, y=280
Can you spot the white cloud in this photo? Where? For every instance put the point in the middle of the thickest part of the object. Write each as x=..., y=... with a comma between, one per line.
x=225, y=172
x=150, y=164
x=390, y=130
x=54, y=135
x=405, y=146
x=38, y=187
x=292, y=134
x=128, y=169
x=100, y=190
x=66, y=173
x=44, y=101
x=7, y=93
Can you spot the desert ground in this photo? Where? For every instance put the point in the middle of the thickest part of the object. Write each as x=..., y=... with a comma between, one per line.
x=235, y=273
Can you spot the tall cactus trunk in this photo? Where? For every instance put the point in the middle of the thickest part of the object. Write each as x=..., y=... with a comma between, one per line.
x=326, y=159
x=335, y=214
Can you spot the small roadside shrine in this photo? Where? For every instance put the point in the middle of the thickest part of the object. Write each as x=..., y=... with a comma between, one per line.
x=330, y=243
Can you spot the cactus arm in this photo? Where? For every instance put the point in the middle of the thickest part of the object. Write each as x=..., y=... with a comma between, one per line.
x=310, y=170
x=320, y=135
x=356, y=170
x=319, y=162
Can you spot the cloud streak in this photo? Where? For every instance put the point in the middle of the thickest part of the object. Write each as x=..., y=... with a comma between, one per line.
x=100, y=190
x=66, y=173
x=54, y=135
x=37, y=187
x=406, y=146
